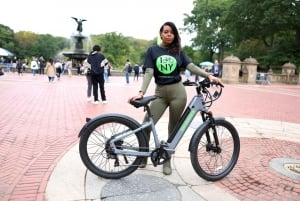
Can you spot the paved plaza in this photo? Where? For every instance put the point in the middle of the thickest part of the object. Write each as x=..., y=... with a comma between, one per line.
x=39, y=157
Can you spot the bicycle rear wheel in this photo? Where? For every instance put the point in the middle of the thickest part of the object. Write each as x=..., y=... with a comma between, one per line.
x=213, y=162
x=96, y=152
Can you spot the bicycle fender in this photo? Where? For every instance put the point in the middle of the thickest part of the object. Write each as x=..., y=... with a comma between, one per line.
x=202, y=126
x=91, y=121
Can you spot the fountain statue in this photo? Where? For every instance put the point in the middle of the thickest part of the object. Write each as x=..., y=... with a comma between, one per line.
x=79, y=24
x=79, y=54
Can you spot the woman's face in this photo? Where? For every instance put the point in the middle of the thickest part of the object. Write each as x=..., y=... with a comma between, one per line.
x=167, y=35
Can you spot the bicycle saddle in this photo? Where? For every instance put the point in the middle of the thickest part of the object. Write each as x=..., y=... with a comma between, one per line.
x=143, y=102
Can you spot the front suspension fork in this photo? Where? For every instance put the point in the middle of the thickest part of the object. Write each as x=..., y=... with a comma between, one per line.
x=209, y=116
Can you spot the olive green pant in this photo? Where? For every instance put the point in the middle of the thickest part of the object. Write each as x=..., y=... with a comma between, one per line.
x=172, y=96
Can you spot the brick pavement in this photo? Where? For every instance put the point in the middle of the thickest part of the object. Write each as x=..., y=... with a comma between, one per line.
x=40, y=122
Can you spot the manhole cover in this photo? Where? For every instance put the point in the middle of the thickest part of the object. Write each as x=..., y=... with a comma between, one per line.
x=287, y=166
x=293, y=167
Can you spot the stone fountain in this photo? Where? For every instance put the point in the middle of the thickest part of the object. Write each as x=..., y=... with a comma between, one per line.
x=79, y=54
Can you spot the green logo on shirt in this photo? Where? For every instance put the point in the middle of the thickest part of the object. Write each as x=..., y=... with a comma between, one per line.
x=166, y=64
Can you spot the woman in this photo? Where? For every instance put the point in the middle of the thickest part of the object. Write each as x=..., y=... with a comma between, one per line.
x=34, y=66
x=87, y=73
x=50, y=70
x=164, y=62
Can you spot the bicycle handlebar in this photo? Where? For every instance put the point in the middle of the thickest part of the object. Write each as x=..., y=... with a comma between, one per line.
x=202, y=87
x=204, y=83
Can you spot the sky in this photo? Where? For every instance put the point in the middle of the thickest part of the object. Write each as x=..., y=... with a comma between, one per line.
x=137, y=18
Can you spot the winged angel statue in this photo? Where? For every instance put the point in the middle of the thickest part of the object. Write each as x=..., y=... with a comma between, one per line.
x=79, y=23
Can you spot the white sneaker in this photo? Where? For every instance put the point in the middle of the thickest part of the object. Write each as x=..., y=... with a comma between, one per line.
x=96, y=102
x=104, y=102
x=89, y=99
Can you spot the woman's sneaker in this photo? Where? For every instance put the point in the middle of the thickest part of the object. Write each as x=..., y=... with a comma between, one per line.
x=167, y=170
x=143, y=163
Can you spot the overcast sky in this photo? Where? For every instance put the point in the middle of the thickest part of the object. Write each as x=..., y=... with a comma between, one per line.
x=137, y=18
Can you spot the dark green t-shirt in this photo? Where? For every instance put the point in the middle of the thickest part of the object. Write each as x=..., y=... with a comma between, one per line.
x=166, y=65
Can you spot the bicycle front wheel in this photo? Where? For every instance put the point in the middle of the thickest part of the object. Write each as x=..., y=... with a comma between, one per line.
x=97, y=154
x=213, y=162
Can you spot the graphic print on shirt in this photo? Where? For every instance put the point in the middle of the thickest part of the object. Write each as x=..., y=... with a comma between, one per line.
x=166, y=64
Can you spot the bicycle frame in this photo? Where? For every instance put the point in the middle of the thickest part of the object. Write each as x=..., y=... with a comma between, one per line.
x=196, y=105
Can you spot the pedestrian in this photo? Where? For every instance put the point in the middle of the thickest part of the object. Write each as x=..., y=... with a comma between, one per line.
x=107, y=72
x=69, y=67
x=14, y=64
x=63, y=64
x=58, y=67
x=19, y=67
x=50, y=70
x=187, y=74
x=42, y=65
x=87, y=73
x=97, y=62
x=34, y=66
x=216, y=69
x=127, y=70
x=8, y=64
x=164, y=63
x=136, y=70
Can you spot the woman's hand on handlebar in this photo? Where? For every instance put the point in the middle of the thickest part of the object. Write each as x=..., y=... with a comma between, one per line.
x=216, y=80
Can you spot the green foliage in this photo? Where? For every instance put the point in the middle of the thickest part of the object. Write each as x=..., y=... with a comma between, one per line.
x=118, y=48
x=7, y=38
x=268, y=30
x=208, y=21
x=31, y=45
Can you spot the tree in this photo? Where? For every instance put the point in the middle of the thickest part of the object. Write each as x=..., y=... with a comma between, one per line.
x=208, y=22
x=275, y=22
x=7, y=38
x=25, y=41
x=118, y=48
x=31, y=45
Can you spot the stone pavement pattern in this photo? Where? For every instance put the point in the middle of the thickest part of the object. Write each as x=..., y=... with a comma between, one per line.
x=40, y=122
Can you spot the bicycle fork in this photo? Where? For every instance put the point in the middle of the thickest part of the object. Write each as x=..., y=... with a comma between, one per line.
x=210, y=146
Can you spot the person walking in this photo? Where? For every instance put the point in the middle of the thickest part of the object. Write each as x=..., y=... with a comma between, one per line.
x=14, y=64
x=216, y=69
x=69, y=67
x=50, y=70
x=97, y=62
x=187, y=74
x=87, y=73
x=8, y=64
x=42, y=65
x=19, y=67
x=136, y=70
x=107, y=72
x=164, y=63
x=127, y=69
x=58, y=67
x=34, y=66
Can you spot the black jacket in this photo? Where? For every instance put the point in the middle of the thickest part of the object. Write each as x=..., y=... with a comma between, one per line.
x=95, y=59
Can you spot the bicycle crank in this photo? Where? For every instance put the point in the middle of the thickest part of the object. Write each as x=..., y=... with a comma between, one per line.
x=159, y=156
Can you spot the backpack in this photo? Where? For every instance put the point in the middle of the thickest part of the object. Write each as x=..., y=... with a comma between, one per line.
x=136, y=69
x=129, y=69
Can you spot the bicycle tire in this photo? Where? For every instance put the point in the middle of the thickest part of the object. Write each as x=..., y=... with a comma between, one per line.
x=206, y=161
x=94, y=150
